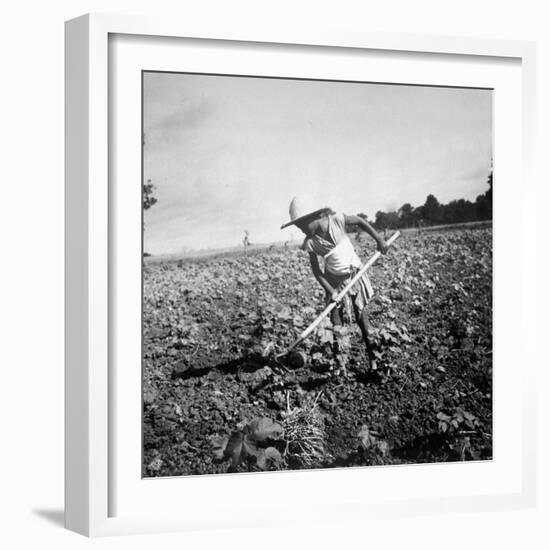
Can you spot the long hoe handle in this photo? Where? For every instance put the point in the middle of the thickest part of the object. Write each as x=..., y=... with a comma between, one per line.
x=340, y=295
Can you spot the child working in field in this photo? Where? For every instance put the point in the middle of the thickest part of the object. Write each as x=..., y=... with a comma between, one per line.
x=326, y=238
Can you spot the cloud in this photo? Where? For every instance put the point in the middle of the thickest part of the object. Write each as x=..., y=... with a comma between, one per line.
x=178, y=124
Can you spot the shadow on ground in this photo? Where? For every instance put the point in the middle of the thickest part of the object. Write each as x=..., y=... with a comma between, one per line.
x=56, y=517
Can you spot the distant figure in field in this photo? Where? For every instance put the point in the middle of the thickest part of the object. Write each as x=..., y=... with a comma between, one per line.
x=246, y=240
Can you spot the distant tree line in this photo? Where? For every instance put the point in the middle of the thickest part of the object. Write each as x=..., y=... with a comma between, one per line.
x=432, y=212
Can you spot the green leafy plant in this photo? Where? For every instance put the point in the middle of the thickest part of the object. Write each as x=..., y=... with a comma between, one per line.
x=459, y=419
x=373, y=448
x=248, y=445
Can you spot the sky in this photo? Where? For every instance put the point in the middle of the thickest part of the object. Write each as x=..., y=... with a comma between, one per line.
x=227, y=154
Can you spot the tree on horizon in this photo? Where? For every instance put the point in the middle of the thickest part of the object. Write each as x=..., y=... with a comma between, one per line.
x=148, y=198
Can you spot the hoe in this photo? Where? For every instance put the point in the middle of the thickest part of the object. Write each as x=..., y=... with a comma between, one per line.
x=298, y=359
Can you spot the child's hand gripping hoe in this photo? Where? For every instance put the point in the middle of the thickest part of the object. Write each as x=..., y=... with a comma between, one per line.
x=334, y=303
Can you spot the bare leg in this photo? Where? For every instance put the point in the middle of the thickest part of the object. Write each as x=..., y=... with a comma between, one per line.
x=335, y=317
x=363, y=322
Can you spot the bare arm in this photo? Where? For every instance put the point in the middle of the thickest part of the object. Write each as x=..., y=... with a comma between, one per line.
x=367, y=227
x=314, y=261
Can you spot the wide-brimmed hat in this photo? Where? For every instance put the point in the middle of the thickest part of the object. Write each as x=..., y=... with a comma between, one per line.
x=300, y=209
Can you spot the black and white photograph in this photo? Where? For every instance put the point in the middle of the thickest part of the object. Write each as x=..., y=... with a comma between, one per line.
x=317, y=274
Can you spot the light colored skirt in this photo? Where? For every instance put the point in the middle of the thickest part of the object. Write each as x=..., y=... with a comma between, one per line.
x=357, y=298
